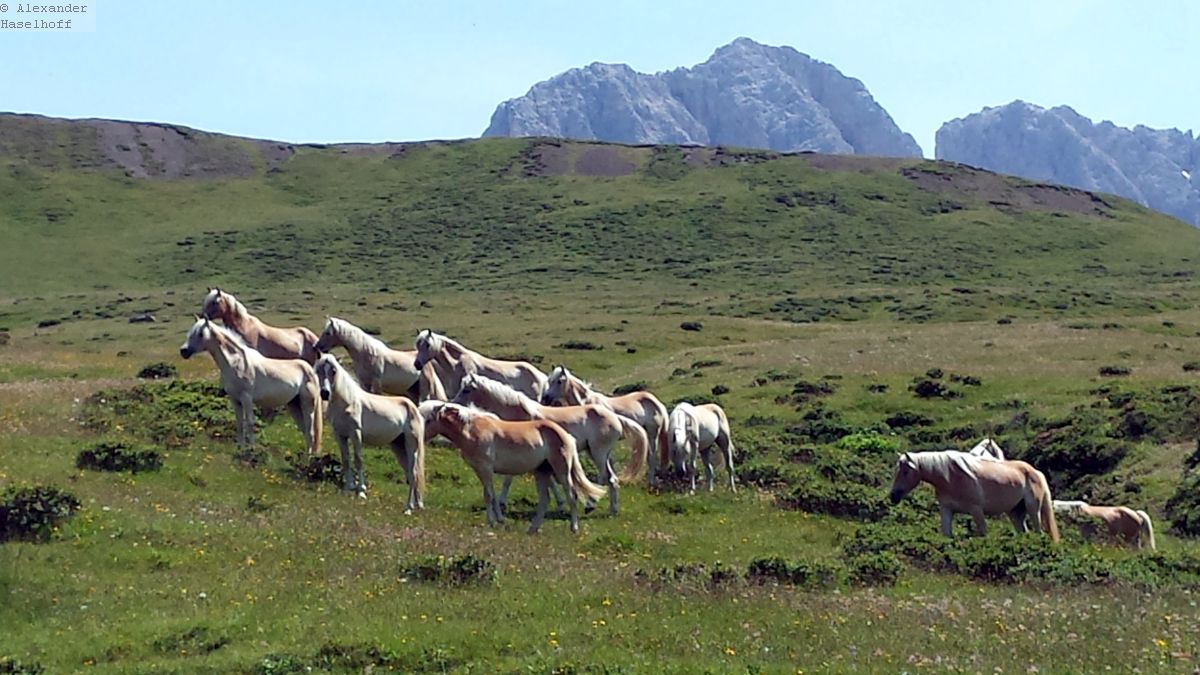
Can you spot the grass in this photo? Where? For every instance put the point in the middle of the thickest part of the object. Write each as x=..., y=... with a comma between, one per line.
x=211, y=564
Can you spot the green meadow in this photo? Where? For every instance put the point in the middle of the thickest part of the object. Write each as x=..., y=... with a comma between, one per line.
x=829, y=293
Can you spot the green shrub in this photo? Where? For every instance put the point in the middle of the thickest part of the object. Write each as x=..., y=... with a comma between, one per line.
x=14, y=667
x=850, y=500
x=760, y=473
x=719, y=389
x=811, y=574
x=116, y=456
x=1115, y=371
x=158, y=371
x=32, y=514
x=875, y=569
x=820, y=425
x=932, y=389
x=166, y=413
x=580, y=345
x=1183, y=508
x=869, y=442
x=454, y=571
x=692, y=326
x=708, y=576
x=640, y=385
x=315, y=469
x=907, y=418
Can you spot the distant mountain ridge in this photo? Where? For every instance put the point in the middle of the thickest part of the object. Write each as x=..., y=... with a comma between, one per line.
x=1159, y=168
x=746, y=94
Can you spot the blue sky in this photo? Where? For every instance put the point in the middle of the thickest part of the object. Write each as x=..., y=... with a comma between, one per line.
x=403, y=70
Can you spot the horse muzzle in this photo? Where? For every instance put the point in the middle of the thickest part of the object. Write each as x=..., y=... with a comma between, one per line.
x=895, y=496
x=324, y=394
x=184, y=352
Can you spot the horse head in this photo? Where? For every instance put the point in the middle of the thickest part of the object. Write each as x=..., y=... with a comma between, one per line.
x=197, y=335
x=326, y=368
x=329, y=336
x=907, y=477
x=426, y=349
x=466, y=389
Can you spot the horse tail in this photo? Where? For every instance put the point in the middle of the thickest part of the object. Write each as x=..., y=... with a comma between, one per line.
x=660, y=419
x=728, y=443
x=414, y=437
x=577, y=479
x=1046, y=505
x=640, y=447
x=1146, y=531
x=314, y=394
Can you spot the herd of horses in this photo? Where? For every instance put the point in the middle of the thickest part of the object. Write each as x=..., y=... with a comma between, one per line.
x=508, y=418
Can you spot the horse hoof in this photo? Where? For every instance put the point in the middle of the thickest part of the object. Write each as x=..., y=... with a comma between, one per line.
x=532, y=530
x=408, y=512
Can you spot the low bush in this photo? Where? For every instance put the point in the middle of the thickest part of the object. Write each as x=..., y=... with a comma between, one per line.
x=1183, y=508
x=708, y=576
x=907, y=418
x=640, y=385
x=158, y=371
x=875, y=569
x=454, y=571
x=869, y=442
x=719, y=389
x=116, y=456
x=14, y=667
x=315, y=469
x=33, y=513
x=692, y=326
x=821, y=425
x=842, y=499
x=1114, y=371
x=812, y=574
x=170, y=413
x=925, y=388
x=580, y=345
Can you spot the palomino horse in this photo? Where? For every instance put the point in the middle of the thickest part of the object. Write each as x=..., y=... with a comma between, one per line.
x=492, y=446
x=1133, y=528
x=594, y=428
x=563, y=388
x=250, y=379
x=275, y=343
x=360, y=417
x=454, y=361
x=379, y=368
x=964, y=483
x=429, y=385
x=695, y=429
x=987, y=449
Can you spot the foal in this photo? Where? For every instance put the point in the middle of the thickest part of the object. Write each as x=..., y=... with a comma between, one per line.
x=493, y=446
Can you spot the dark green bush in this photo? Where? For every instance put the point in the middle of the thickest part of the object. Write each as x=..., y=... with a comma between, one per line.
x=820, y=425
x=709, y=576
x=1115, y=371
x=640, y=385
x=811, y=574
x=762, y=474
x=14, y=667
x=158, y=371
x=932, y=389
x=31, y=514
x=907, y=418
x=166, y=413
x=719, y=389
x=1183, y=508
x=692, y=325
x=850, y=500
x=875, y=569
x=315, y=469
x=116, y=456
x=454, y=571
x=580, y=345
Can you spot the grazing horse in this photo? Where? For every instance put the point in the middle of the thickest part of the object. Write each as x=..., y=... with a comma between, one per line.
x=379, y=368
x=250, y=379
x=563, y=388
x=360, y=417
x=454, y=361
x=274, y=343
x=987, y=449
x=1133, y=528
x=964, y=483
x=695, y=429
x=492, y=446
x=594, y=428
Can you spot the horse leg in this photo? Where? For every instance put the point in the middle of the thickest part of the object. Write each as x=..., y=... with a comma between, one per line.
x=296, y=410
x=706, y=457
x=726, y=446
x=980, y=521
x=343, y=442
x=1017, y=516
x=599, y=460
x=238, y=421
x=947, y=522
x=608, y=476
x=404, y=457
x=248, y=420
x=503, y=498
x=359, y=478
x=544, y=480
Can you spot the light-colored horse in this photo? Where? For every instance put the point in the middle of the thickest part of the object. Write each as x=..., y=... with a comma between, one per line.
x=564, y=388
x=250, y=379
x=594, y=428
x=275, y=343
x=1133, y=528
x=429, y=385
x=454, y=361
x=695, y=429
x=964, y=483
x=987, y=449
x=360, y=417
x=379, y=368
x=493, y=446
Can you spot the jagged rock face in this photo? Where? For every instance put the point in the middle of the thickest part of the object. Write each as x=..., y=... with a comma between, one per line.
x=746, y=94
x=1156, y=167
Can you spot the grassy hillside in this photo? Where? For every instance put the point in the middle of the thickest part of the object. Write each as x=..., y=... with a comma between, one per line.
x=827, y=289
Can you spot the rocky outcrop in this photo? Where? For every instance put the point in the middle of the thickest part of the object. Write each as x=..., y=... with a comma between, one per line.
x=1156, y=167
x=746, y=94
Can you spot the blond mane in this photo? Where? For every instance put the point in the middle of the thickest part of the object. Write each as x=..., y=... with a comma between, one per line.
x=941, y=462
x=506, y=395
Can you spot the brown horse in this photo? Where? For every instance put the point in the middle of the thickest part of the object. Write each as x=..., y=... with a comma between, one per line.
x=594, y=428
x=1120, y=523
x=271, y=342
x=563, y=388
x=964, y=483
x=493, y=446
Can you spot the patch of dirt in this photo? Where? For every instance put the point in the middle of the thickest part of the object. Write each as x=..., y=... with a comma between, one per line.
x=546, y=158
x=603, y=160
x=1005, y=193
x=855, y=163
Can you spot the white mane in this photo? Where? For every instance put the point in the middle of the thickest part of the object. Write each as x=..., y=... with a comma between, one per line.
x=223, y=330
x=987, y=449
x=1069, y=506
x=469, y=413
x=238, y=308
x=506, y=395
x=942, y=461
x=342, y=381
x=356, y=338
x=427, y=408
